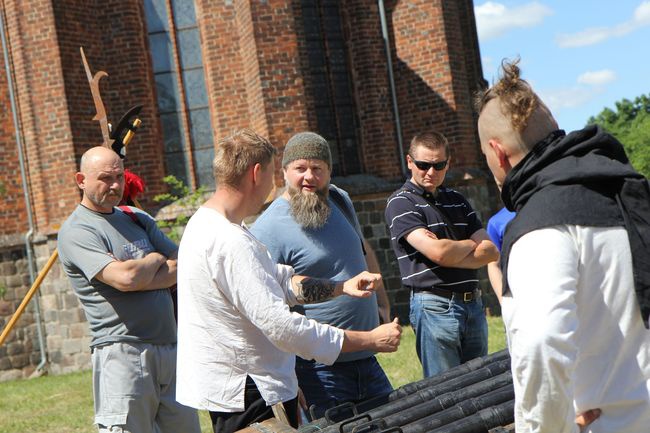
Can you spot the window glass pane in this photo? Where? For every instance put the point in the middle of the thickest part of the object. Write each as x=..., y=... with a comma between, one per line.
x=173, y=137
x=331, y=22
x=346, y=120
x=337, y=60
x=167, y=88
x=200, y=128
x=184, y=15
x=168, y=41
x=315, y=54
x=336, y=44
x=329, y=3
x=195, y=92
x=311, y=21
x=329, y=82
x=189, y=47
x=176, y=164
x=341, y=89
x=155, y=12
x=161, y=52
x=336, y=158
x=203, y=166
x=321, y=89
x=350, y=156
x=326, y=123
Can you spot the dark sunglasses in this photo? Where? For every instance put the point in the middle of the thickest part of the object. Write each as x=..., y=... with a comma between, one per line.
x=425, y=165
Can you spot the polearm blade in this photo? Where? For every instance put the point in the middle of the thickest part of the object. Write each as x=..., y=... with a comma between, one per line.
x=93, y=81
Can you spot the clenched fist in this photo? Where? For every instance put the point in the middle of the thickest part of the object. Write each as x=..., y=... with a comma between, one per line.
x=387, y=336
x=361, y=285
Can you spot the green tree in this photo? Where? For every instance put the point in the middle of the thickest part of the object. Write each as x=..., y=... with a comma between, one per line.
x=181, y=195
x=630, y=124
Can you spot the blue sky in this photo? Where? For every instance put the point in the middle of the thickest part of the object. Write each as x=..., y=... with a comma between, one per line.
x=580, y=56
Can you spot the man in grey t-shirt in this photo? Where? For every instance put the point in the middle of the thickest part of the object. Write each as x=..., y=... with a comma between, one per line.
x=120, y=267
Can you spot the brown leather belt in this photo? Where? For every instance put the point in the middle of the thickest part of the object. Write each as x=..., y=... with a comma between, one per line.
x=466, y=297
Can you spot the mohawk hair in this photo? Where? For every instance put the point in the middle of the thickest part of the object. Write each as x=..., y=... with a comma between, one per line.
x=517, y=99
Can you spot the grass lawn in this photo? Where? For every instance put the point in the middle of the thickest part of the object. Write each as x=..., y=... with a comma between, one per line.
x=64, y=404
x=404, y=366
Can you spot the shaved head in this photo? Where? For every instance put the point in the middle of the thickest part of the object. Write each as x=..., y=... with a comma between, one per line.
x=495, y=123
x=512, y=120
x=101, y=178
x=98, y=155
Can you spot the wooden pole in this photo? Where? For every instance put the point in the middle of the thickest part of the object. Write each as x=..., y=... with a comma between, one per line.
x=28, y=297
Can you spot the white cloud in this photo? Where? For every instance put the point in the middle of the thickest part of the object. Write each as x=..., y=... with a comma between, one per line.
x=590, y=85
x=641, y=15
x=572, y=97
x=594, y=35
x=494, y=19
x=597, y=78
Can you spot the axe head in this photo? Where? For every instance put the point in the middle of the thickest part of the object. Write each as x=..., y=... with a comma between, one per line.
x=121, y=130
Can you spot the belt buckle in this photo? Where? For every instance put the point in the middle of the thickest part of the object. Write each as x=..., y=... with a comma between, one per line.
x=468, y=297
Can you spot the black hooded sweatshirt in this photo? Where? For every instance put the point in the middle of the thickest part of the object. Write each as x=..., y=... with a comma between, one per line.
x=585, y=179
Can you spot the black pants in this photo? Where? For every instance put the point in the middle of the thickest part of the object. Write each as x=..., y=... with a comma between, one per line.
x=255, y=410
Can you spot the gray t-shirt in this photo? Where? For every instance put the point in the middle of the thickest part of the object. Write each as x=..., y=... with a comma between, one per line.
x=332, y=251
x=86, y=242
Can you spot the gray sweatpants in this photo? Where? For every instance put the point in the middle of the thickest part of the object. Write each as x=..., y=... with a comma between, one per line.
x=134, y=385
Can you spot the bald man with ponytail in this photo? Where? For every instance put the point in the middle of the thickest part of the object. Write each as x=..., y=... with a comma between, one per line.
x=575, y=261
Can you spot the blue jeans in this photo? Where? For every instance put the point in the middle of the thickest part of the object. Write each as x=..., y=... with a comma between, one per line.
x=448, y=332
x=326, y=386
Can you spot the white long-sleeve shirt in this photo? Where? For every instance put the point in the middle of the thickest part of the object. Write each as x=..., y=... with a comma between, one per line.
x=575, y=332
x=234, y=319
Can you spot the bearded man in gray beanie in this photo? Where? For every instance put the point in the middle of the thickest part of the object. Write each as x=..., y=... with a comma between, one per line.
x=313, y=228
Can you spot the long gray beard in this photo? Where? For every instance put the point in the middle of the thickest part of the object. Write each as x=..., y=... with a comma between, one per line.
x=309, y=210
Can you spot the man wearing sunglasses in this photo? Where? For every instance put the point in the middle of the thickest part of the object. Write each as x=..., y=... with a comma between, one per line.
x=439, y=243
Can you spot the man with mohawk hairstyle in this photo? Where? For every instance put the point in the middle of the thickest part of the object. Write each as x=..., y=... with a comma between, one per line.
x=575, y=261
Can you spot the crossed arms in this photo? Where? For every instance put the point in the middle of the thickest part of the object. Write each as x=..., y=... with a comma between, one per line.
x=152, y=272
x=470, y=253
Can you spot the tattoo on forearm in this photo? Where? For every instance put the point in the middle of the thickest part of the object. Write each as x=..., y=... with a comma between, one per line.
x=313, y=290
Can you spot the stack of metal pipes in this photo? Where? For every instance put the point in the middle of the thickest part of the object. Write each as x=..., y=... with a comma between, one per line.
x=474, y=397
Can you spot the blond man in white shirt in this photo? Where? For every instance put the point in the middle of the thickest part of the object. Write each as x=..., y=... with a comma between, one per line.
x=237, y=339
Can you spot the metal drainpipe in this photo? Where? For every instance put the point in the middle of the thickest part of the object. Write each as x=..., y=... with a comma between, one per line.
x=393, y=93
x=28, y=205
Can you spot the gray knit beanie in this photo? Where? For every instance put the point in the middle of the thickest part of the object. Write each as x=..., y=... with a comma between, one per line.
x=307, y=145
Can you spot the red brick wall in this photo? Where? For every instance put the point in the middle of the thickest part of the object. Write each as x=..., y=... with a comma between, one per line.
x=114, y=38
x=377, y=131
x=224, y=66
x=254, y=63
x=56, y=106
x=43, y=110
x=475, y=80
x=432, y=76
x=253, y=68
x=12, y=201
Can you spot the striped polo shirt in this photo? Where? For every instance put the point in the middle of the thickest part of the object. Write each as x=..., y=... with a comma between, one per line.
x=446, y=214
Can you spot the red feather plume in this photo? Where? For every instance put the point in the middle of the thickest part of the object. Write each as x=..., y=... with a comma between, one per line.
x=133, y=186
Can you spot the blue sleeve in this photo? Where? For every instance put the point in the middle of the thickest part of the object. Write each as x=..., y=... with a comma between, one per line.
x=350, y=206
x=493, y=232
x=267, y=232
x=496, y=226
